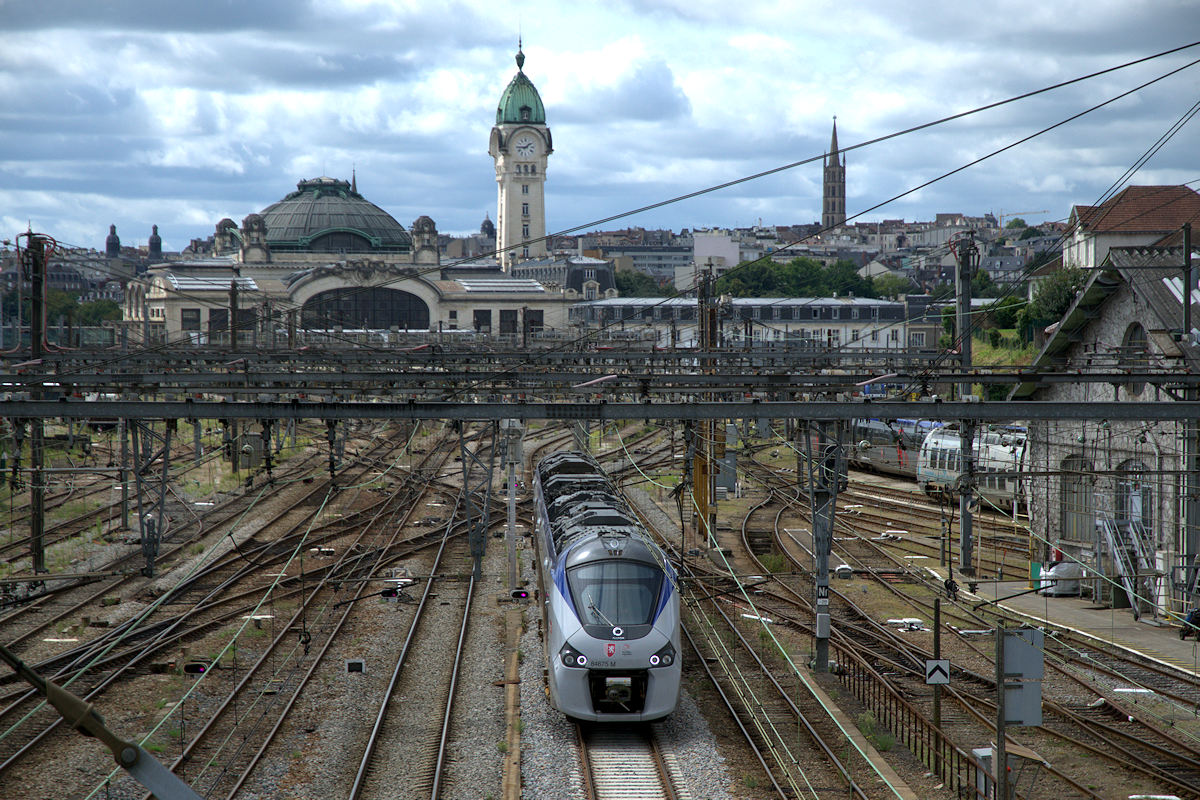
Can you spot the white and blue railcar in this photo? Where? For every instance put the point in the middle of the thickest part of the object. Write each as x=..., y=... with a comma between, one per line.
x=609, y=601
x=999, y=458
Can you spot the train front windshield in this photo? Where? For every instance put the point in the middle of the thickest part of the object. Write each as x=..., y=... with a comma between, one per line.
x=615, y=593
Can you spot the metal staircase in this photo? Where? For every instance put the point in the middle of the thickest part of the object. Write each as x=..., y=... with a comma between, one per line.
x=1133, y=559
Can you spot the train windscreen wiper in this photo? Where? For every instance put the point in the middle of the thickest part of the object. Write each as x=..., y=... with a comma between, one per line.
x=596, y=610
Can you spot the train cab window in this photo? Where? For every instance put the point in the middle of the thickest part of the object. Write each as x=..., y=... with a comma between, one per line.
x=615, y=593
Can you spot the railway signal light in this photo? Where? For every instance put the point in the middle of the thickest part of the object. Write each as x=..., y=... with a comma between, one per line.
x=519, y=594
x=390, y=594
x=195, y=667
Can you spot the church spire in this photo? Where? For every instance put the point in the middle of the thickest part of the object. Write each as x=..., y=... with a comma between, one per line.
x=520, y=55
x=833, y=193
x=353, y=180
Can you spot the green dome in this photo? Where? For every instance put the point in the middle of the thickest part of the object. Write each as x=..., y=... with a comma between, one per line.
x=328, y=215
x=520, y=101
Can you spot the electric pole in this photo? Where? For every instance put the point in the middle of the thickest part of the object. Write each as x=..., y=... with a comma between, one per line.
x=34, y=266
x=967, y=256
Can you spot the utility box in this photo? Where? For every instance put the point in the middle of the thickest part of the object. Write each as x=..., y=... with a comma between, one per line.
x=250, y=451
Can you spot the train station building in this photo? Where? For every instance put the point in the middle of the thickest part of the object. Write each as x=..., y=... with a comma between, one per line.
x=324, y=258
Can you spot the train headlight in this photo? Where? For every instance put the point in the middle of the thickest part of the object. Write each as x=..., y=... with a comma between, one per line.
x=571, y=657
x=665, y=656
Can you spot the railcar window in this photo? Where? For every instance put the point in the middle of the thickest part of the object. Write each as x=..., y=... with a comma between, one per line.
x=615, y=592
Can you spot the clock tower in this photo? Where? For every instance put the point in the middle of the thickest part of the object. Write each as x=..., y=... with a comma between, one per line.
x=520, y=144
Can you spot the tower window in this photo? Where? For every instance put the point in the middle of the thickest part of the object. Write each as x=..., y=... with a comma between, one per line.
x=524, y=188
x=525, y=113
x=525, y=209
x=525, y=231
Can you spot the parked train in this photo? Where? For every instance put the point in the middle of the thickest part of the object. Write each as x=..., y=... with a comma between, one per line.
x=930, y=453
x=999, y=454
x=890, y=446
x=609, y=601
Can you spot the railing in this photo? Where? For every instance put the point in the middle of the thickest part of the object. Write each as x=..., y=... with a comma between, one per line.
x=960, y=770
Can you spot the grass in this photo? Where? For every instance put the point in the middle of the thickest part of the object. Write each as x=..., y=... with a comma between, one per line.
x=774, y=562
x=867, y=725
x=502, y=747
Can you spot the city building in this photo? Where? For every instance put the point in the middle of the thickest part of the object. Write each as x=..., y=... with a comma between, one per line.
x=577, y=277
x=1138, y=215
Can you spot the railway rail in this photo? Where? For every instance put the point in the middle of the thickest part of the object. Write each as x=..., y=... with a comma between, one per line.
x=625, y=763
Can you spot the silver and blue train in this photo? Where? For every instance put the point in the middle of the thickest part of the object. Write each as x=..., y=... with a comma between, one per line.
x=929, y=452
x=610, y=604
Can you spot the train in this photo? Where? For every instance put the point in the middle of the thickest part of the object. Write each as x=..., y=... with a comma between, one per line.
x=609, y=597
x=929, y=452
x=890, y=446
x=999, y=456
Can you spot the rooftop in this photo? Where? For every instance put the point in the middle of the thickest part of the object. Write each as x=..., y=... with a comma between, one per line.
x=1140, y=209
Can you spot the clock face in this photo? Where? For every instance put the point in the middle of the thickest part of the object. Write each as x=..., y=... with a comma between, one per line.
x=525, y=147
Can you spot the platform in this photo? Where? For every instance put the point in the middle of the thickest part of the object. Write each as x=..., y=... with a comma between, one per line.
x=1155, y=639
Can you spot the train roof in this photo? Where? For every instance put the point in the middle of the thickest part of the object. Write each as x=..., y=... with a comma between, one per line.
x=606, y=545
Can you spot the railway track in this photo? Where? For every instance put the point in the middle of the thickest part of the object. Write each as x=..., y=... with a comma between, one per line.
x=420, y=742
x=625, y=763
x=1097, y=725
x=216, y=604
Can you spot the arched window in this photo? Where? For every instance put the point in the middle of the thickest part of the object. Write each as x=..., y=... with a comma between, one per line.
x=1134, y=354
x=1078, y=502
x=377, y=308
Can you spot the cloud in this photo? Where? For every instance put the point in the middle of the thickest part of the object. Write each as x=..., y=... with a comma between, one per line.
x=646, y=93
x=139, y=112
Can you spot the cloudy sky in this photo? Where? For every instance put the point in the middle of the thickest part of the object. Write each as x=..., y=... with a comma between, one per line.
x=179, y=113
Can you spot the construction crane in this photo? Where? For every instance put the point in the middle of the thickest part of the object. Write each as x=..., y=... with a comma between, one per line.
x=1015, y=214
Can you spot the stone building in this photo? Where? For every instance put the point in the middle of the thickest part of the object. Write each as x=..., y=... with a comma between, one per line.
x=841, y=324
x=833, y=201
x=1112, y=494
x=326, y=258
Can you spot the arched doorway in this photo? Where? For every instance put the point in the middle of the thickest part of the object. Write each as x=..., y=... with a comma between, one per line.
x=1134, y=501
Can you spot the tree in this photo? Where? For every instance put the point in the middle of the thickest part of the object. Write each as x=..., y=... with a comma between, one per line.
x=98, y=311
x=800, y=277
x=632, y=283
x=1052, y=298
x=891, y=285
x=1030, y=233
x=1005, y=310
x=1015, y=222
x=982, y=285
